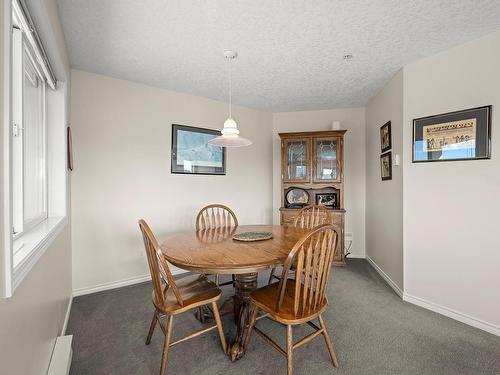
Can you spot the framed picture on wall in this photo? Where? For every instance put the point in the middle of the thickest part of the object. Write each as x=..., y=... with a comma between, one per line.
x=386, y=166
x=191, y=153
x=460, y=135
x=385, y=137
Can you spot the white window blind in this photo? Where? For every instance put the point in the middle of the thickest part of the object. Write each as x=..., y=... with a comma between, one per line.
x=22, y=19
x=35, y=171
x=29, y=139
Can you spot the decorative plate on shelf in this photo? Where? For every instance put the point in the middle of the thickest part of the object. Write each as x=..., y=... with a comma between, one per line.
x=252, y=236
x=297, y=197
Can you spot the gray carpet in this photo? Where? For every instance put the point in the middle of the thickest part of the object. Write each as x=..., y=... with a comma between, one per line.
x=373, y=332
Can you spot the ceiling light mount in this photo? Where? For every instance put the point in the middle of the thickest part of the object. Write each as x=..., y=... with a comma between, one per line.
x=229, y=54
x=348, y=57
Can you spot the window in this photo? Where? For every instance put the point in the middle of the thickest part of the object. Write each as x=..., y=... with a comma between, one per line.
x=35, y=141
x=29, y=170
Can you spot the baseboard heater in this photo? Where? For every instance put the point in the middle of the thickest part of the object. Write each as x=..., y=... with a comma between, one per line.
x=60, y=362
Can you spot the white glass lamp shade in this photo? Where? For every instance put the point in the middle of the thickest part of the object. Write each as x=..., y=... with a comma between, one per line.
x=230, y=127
x=230, y=137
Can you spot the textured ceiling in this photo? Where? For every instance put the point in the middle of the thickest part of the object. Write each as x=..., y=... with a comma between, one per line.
x=290, y=51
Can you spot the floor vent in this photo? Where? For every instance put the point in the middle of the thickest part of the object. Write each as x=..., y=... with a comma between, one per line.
x=60, y=362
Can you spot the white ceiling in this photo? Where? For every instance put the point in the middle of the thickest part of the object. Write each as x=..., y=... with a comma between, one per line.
x=290, y=51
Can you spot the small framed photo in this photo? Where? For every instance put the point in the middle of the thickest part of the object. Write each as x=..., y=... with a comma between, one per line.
x=191, y=153
x=386, y=166
x=385, y=137
x=328, y=200
x=460, y=135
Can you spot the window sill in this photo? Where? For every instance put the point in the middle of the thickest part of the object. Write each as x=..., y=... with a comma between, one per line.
x=31, y=245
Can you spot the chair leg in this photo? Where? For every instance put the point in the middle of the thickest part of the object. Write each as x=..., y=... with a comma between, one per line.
x=152, y=327
x=201, y=314
x=253, y=318
x=234, y=280
x=271, y=276
x=166, y=344
x=289, y=349
x=217, y=279
x=328, y=342
x=219, y=326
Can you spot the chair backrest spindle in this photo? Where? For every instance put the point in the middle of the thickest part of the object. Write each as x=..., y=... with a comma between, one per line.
x=312, y=257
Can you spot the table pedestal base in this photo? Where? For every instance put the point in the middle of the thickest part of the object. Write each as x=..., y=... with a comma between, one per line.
x=246, y=283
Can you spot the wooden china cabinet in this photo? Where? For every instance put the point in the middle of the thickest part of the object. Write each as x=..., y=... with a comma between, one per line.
x=312, y=166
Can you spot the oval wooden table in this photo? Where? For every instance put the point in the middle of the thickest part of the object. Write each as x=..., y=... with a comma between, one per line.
x=215, y=251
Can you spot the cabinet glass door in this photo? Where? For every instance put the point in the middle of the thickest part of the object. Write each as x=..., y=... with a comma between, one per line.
x=296, y=158
x=326, y=154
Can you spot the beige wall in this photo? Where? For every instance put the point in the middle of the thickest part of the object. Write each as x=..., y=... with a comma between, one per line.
x=122, y=139
x=451, y=210
x=384, y=199
x=352, y=119
x=33, y=317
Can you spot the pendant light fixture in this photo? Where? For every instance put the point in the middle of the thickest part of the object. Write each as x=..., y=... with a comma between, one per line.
x=230, y=134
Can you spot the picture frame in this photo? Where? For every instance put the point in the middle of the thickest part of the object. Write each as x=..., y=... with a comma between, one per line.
x=453, y=136
x=191, y=154
x=69, y=148
x=385, y=137
x=386, y=166
x=296, y=197
x=328, y=200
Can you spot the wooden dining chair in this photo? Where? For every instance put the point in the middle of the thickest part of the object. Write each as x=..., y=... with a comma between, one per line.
x=172, y=297
x=217, y=217
x=307, y=218
x=311, y=216
x=292, y=302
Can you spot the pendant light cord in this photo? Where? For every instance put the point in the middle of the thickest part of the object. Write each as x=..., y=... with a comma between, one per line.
x=230, y=87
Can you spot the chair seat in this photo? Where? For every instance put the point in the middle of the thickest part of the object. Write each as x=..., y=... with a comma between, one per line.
x=195, y=290
x=265, y=299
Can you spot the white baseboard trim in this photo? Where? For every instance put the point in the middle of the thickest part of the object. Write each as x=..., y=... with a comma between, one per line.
x=385, y=276
x=119, y=283
x=111, y=285
x=450, y=313
x=66, y=317
x=355, y=256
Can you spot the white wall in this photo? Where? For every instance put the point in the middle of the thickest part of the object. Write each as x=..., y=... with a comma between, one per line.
x=451, y=210
x=352, y=119
x=384, y=199
x=34, y=316
x=121, y=141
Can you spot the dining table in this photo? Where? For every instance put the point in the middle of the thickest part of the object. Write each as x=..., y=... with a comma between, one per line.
x=215, y=251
